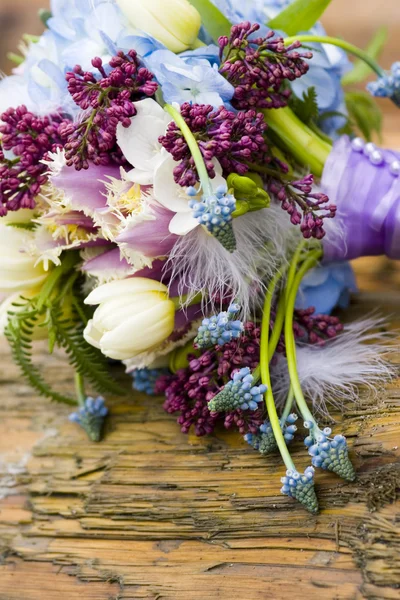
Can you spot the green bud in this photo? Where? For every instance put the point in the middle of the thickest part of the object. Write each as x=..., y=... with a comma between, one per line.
x=249, y=193
x=44, y=15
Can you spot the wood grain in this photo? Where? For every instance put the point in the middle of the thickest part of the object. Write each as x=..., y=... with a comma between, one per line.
x=153, y=514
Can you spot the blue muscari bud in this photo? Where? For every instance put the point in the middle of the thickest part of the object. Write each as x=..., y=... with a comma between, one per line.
x=144, y=380
x=331, y=455
x=238, y=393
x=301, y=487
x=219, y=329
x=387, y=86
x=91, y=417
x=215, y=213
x=264, y=440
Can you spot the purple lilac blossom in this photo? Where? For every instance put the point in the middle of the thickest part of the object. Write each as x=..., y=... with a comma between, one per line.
x=109, y=97
x=258, y=67
x=235, y=139
x=27, y=139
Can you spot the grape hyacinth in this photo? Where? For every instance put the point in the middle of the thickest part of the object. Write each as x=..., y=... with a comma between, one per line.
x=258, y=67
x=28, y=138
x=301, y=487
x=107, y=99
x=219, y=329
x=215, y=213
x=264, y=440
x=189, y=391
x=91, y=417
x=239, y=393
x=330, y=454
x=387, y=86
x=305, y=207
x=235, y=139
x=144, y=380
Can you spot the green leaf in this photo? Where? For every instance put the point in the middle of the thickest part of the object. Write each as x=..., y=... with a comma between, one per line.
x=365, y=113
x=301, y=15
x=361, y=70
x=305, y=108
x=28, y=226
x=44, y=15
x=212, y=18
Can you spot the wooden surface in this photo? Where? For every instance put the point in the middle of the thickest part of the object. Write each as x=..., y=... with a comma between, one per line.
x=150, y=513
x=153, y=514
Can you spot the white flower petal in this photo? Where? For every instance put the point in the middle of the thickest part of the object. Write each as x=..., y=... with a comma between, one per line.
x=182, y=223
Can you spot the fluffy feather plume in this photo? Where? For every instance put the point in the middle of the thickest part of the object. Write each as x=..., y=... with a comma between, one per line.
x=199, y=262
x=331, y=375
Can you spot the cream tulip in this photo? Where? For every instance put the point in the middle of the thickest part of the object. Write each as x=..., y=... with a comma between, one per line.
x=174, y=23
x=134, y=315
x=18, y=271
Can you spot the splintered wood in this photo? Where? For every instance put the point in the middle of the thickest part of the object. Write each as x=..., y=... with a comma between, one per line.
x=150, y=513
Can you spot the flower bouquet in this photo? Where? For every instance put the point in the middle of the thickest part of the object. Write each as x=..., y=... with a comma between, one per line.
x=181, y=186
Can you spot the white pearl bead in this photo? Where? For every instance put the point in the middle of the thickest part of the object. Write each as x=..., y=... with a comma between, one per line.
x=369, y=148
x=395, y=168
x=358, y=144
x=376, y=157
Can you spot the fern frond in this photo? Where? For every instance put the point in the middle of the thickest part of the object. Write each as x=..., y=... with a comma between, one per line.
x=19, y=333
x=84, y=358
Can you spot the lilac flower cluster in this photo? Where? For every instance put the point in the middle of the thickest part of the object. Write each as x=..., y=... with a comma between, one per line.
x=28, y=138
x=311, y=328
x=189, y=391
x=258, y=67
x=305, y=207
x=315, y=328
x=235, y=139
x=107, y=99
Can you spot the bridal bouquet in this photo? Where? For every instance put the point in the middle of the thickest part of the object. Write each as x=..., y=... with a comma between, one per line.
x=181, y=184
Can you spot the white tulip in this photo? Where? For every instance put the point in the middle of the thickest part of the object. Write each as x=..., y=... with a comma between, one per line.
x=174, y=23
x=134, y=315
x=18, y=271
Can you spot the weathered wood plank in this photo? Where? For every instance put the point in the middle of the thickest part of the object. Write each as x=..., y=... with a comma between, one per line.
x=163, y=515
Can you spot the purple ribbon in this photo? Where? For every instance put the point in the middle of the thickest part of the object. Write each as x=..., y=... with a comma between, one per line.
x=364, y=182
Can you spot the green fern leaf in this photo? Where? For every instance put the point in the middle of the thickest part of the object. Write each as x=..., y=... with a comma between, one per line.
x=19, y=333
x=86, y=360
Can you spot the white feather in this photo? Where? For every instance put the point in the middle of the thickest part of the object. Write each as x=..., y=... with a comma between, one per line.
x=332, y=375
x=200, y=263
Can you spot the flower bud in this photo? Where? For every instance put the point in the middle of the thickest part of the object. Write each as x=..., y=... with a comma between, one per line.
x=175, y=23
x=17, y=268
x=134, y=315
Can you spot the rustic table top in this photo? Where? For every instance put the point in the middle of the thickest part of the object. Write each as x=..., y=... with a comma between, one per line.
x=152, y=514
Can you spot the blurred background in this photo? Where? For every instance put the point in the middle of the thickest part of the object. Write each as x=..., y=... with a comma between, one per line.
x=354, y=20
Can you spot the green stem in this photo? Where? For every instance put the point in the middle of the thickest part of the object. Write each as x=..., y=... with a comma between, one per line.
x=350, y=48
x=80, y=389
x=307, y=147
x=70, y=260
x=193, y=147
x=308, y=264
x=288, y=406
x=265, y=374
